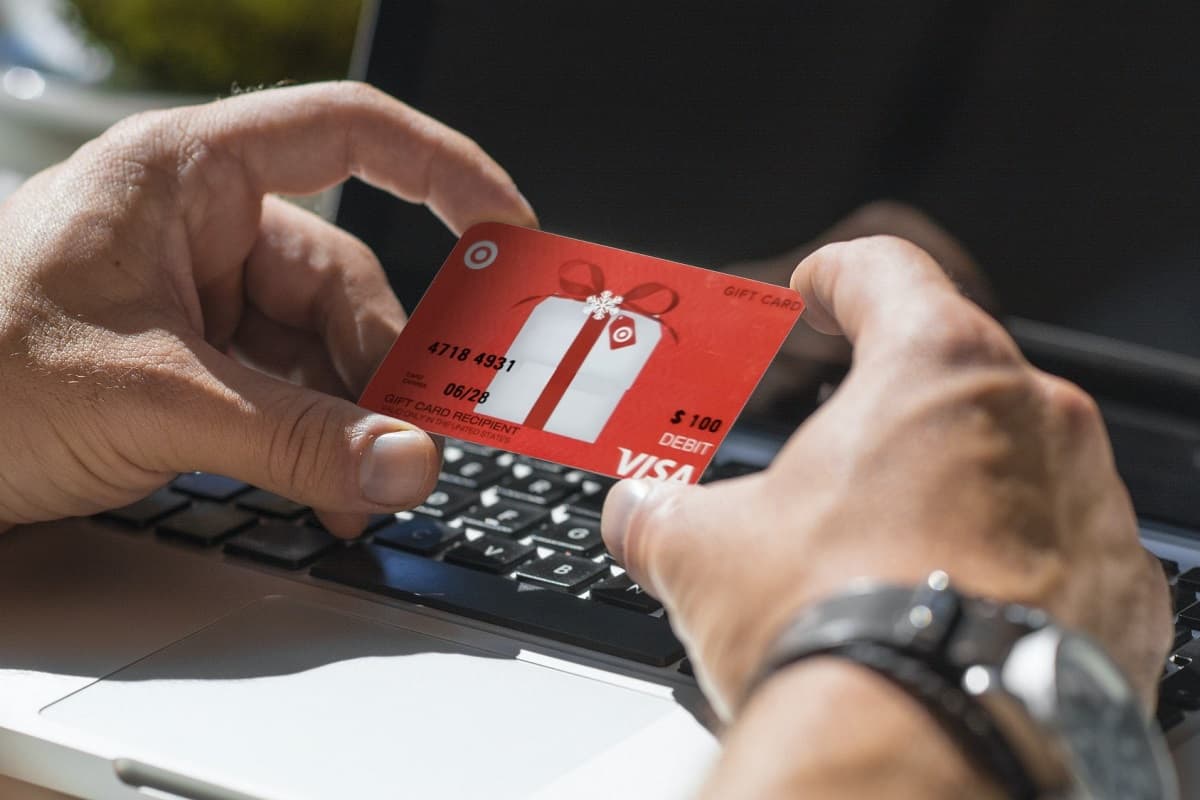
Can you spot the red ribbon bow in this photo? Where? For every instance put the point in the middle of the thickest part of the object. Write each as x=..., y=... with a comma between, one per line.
x=594, y=286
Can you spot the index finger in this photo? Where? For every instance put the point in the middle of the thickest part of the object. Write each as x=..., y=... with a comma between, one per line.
x=882, y=292
x=302, y=139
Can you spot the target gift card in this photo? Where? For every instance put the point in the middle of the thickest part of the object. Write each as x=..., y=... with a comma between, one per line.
x=581, y=354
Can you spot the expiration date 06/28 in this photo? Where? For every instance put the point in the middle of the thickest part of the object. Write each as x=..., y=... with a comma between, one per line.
x=468, y=393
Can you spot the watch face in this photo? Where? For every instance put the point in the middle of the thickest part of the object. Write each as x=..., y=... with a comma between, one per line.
x=1116, y=754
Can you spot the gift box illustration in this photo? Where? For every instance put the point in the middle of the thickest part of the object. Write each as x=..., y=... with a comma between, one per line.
x=579, y=351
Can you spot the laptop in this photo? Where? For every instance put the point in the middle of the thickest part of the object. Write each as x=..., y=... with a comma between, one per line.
x=212, y=641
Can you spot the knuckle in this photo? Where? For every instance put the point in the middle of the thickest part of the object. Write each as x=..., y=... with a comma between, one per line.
x=956, y=333
x=153, y=134
x=359, y=252
x=301, y=440
x=877, y=248
x=154, y=147
x=472, y=148
x=1071, y=404
x=878, y=214
x=889, y=246
x=652, y=533
x=187, y=150
x=136, y=127
x=356, y=93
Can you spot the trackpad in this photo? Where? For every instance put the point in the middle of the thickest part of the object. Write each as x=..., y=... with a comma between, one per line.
x=287, y=699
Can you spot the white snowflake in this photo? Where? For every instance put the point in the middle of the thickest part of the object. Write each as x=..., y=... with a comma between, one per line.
x=603, y=304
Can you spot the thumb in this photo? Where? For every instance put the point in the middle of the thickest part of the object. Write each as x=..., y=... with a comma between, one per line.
x=316, y=449
x=645, y=525
x=686, y=546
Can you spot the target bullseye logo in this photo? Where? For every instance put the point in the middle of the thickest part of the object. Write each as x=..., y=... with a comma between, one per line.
x=481, y=254
x=622, y=333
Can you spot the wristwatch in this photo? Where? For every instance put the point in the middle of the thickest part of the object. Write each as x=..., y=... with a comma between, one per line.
x=1043, y=709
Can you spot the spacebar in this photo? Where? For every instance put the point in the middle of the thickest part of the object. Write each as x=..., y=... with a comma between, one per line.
x=529, y=609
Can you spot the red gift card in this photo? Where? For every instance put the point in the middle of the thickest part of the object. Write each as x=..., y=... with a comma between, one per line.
x=580, y=354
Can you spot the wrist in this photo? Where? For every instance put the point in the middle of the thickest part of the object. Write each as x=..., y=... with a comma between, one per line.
x=828, y=727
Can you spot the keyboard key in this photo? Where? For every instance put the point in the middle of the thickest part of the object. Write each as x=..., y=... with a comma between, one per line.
x=209, y=487
x=477, y=449
x=1182, y=596
x=473, y=473
x=205, y=524
x=374, y=522
x=1182, y=687
x=576, y=534
x=504, y=517
x=271, y=505
x=149, y=509
x=623, y=592
x=686, y=668
x=1170, y=568
x=589, y=505
x=446, y=501
x=538, y=489
x=562, y=572
x=501, y=601
x=418, y=535
x=1168, y=716
x=599, y=483
x=1183, y=635
x=1190, y=616
x=288, y=546
x=1190, y=579
x=490, y=554
x=377, y=521
x=733, y=469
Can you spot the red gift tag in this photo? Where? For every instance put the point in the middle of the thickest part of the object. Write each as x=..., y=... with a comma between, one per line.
x=581, y=354
x=622, y=333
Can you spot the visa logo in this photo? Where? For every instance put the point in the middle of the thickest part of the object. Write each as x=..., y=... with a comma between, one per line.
x=644, y=465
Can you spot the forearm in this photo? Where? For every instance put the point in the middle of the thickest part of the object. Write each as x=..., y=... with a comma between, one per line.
x=828, y=728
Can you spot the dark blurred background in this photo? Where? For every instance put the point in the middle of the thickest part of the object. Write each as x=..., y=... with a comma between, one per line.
x=1059, y=142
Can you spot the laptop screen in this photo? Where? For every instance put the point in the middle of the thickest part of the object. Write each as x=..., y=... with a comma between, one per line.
x=1058, y=145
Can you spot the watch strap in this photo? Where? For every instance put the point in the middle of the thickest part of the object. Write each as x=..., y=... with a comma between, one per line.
x=922, y=639
x=962, y=716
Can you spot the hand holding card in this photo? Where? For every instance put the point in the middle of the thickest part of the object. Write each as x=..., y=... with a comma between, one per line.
x=585, y=355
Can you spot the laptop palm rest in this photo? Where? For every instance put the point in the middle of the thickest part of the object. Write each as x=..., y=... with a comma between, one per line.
x=290, y=699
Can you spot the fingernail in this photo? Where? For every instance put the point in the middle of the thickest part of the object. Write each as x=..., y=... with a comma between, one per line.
x=621, y=504
x=395, y=468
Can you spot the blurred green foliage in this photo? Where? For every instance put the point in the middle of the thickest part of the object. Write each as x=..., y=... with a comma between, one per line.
x=193, y=46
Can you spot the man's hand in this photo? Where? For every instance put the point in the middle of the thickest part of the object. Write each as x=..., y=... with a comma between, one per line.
x=942, y=449
x=155, y=300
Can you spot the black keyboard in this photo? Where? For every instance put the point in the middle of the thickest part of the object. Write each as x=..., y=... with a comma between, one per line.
x=503, y=539
x=1179, y=689
x=510, y=541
